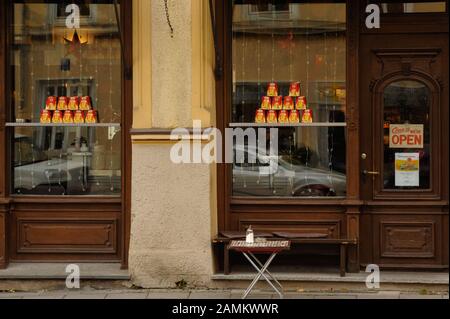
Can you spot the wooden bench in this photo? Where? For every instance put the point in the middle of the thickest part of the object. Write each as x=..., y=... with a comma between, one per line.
x=225, y=238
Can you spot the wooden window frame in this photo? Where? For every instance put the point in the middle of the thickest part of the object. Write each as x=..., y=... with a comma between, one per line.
x=227, y=204
x=66, y=203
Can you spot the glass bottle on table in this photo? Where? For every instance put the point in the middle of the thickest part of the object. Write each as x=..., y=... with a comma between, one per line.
x=250, y=237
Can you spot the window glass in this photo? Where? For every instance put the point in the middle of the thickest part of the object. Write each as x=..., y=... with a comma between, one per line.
x=407, y=135
x=65, y=114
x=289, y=73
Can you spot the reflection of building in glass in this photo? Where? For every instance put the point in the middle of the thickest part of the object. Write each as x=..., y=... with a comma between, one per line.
x=288, y=43
x=51, y=60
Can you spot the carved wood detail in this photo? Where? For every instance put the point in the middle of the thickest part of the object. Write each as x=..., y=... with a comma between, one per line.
x=407, y=239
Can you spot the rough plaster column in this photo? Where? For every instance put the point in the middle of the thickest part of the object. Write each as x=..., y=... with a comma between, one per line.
x=172, y=209
x=171, y=220
x=172, y=64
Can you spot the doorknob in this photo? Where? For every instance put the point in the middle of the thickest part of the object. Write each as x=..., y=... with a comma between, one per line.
x=366, y=172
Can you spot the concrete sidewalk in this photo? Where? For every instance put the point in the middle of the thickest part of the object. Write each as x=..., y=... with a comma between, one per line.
x=210, y=294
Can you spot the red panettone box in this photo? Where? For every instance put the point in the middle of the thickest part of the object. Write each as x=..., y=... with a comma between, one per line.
x=63, y=102
x=266, y=103
x=294, y=117
x=46, y=117
x=277, y=103
x=272, y=89
x=301, y=103
x=260, y=116
x=74, y=102
x=50, y=103
x=307, y=116
x=272, y=117
x=283, y=117
x=85, y=104
x=91, y=117
x=68, y=117
x=57, y=117
x=294, y=89
x=78, y=118
x=288, y=103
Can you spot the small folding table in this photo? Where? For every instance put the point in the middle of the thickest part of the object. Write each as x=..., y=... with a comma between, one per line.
x=272, y=247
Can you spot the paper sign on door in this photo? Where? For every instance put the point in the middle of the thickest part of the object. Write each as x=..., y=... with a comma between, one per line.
x=407, y=167
x=406, y=136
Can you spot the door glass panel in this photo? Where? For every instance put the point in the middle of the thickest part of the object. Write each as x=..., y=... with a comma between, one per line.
x=285, y=43
x=75, y=149
x=407, y=152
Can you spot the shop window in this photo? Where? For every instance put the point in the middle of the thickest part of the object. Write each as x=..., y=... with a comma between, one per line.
x=298, y=50
x=407, y=151
x=65, y=116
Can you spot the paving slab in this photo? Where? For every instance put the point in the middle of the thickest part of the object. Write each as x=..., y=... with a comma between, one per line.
x=127, y=296
x=209, y=295
x=337, y=296
x=418, y=296
x=168, y=295
x=85, y=296
x=297, y=296
x=42, y=297
x=380, y=295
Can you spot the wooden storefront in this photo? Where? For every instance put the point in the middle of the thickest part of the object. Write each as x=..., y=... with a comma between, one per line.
x=396, y=227
x=347, y=143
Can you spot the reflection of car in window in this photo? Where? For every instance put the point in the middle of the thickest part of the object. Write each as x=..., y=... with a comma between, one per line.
x=277, y=176
x=35, y=173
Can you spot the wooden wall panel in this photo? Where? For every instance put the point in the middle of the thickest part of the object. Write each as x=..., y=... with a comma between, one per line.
x=66, y=236
x=331, y=228
x=58, y=235
x=407, y=239
x=410, y=241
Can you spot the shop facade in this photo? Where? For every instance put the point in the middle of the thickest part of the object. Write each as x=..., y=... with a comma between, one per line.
x=361, y=116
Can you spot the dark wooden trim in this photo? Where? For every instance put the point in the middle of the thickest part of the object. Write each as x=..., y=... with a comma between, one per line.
x=4, y=202
x=222, y=86
x=127, y=105
x=353, y=130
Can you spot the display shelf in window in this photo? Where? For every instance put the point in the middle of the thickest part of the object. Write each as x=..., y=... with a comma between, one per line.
x=281, y=125
x=62, y=125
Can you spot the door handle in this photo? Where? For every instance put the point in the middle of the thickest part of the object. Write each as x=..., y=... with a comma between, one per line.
x=366, y=172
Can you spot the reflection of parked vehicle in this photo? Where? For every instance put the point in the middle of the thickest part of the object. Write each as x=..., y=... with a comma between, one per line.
x=278, y=176
x=39, y=174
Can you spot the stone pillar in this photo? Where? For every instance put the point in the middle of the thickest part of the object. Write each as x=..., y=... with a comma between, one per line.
x=173, y=206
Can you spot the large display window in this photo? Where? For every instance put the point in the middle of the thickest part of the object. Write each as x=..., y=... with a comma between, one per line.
x=289, y=73
x=65, y=114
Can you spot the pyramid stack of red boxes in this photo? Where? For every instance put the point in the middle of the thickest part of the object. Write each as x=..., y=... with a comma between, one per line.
x=65, y=110
x=283, y=110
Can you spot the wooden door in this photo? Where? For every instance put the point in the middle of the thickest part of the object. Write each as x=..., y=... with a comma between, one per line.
x=404, y=148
